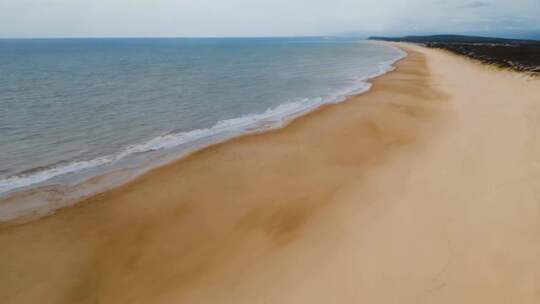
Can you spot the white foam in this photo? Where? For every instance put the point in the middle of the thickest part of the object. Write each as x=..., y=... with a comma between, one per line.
x=269, y=119
x=20, y=181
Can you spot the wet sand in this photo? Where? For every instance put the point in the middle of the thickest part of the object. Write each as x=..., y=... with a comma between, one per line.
x=426, y=189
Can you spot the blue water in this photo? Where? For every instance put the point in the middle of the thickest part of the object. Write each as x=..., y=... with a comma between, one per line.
x=73, y=106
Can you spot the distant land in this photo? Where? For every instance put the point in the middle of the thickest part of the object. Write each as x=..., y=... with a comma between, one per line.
x=517, y=54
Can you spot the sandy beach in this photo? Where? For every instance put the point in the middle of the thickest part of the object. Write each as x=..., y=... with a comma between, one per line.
x=426, y=189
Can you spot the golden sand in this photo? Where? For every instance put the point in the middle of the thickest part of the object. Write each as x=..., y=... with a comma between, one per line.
x=426, y=189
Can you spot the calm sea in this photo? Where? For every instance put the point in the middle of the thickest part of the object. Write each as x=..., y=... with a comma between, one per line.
x=71, y=109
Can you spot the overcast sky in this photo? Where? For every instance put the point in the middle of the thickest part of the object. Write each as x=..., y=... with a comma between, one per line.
x=216, y=18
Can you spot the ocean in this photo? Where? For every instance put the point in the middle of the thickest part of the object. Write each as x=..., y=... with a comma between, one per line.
x=72, y=110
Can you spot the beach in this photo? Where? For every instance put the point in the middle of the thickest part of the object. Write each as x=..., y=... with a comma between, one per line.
x=424, y=189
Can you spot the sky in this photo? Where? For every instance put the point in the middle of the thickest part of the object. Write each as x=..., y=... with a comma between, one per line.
x=249, y=18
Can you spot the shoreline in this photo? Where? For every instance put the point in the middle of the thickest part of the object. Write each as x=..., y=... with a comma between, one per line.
x=422, y=190
x=240, y=205
x=44, y=199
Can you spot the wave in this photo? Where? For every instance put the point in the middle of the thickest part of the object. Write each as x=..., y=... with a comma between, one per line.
x=257, y=122
x=269, y=119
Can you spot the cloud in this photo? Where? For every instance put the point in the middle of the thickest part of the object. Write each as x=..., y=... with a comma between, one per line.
x=474, y=4
x=211, y=18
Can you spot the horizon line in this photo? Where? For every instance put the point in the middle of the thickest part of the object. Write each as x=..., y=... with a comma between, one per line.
x=179, y=37
x=338, y=35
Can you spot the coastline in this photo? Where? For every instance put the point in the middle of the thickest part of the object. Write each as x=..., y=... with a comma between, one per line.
x=32, y=202
x=510, y=54
x=419, y=190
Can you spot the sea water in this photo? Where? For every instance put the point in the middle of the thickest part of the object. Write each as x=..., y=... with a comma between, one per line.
x=73, y=109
